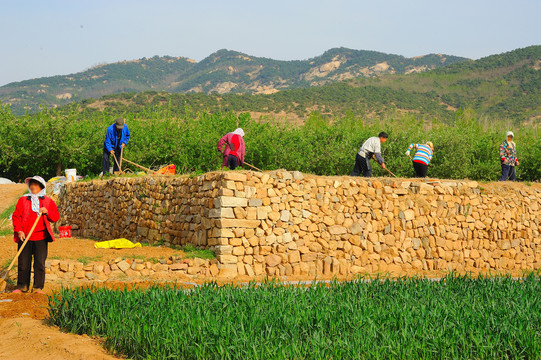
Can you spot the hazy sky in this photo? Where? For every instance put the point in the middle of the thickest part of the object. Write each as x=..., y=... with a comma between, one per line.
x=52, y=37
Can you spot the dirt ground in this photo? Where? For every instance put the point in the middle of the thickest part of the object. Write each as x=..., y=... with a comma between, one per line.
x=83, y=250
x=25, y=336
x=23, y=333
x=9, y=194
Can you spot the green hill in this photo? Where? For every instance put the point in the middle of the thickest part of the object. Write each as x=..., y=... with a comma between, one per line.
x=505, y=86
x=222, y=72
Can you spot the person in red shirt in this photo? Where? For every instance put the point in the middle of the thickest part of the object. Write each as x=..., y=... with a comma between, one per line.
x=25, y=215
x=232, y=147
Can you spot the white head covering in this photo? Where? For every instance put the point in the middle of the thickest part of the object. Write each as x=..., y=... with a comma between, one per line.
x=512, y=143
x=239, y=131
x=35, y=197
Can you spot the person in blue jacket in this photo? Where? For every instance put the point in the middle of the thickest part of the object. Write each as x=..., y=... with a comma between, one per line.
x=116, y=138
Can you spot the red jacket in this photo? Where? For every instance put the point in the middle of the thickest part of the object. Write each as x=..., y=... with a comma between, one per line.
x=225, y=149
x=24, y=217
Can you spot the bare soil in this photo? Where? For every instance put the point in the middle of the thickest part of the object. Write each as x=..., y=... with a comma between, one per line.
x=9, y=194
x=83, y=250
x=22, y=331
x=25, y=336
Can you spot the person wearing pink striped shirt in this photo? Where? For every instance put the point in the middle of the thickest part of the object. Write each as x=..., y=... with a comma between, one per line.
x=421, y=159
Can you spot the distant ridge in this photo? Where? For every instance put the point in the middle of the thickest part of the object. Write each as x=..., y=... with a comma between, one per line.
x=222, y=72
x=498, y=87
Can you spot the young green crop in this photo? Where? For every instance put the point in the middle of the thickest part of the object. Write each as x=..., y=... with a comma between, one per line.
x=458, y=318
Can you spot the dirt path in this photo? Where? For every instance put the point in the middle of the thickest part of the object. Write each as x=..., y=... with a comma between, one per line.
x=9, y=194
x=22, y=332
x=24, y=336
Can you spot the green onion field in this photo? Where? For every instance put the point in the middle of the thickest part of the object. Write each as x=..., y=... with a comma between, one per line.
x=457, y=317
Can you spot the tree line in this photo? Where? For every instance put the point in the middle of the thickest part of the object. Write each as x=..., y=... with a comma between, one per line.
x=50, y=141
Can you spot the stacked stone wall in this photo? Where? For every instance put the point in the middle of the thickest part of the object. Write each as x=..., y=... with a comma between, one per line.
x=286, y=223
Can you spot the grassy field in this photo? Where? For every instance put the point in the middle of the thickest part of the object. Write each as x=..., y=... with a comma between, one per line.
x=458, y=318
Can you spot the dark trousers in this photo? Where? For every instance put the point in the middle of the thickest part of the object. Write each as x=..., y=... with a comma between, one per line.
x=37, y=249
x=508, y=173
x=106, y=161
x=420, y=169
x=232, y=162
x=362, y=166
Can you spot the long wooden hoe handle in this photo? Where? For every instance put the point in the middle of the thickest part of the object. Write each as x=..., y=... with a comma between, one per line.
x=22, y=246
x=389, y=171
x=139, y=166
x=121, y=156
x=116, y=162
x=253, y=167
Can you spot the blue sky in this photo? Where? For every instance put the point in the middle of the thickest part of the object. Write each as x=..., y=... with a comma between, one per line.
x=51, y=37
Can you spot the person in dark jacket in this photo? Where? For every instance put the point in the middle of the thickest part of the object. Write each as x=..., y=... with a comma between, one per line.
x=26, y=212
x=116, y=139
x=370, y=148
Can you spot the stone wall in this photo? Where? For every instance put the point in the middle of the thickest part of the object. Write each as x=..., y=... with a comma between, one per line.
x=119, y=269
x=287, y=223
x=172, y=210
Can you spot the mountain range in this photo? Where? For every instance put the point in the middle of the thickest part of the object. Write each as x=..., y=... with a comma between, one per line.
x=504, y=87
x=223, y=72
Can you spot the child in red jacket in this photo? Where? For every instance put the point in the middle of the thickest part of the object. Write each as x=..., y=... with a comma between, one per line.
x=26, y=212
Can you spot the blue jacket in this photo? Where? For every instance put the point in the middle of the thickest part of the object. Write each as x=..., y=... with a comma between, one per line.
x=110, y=138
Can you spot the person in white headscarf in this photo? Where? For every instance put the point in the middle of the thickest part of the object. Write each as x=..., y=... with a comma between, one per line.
x=26, y=213
x=232, y=147
x=508, y=157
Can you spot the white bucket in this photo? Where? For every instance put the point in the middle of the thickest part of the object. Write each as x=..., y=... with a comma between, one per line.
x=71, y=175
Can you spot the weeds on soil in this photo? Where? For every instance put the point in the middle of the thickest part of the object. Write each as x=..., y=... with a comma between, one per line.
x=190, y=252
x=88, y=259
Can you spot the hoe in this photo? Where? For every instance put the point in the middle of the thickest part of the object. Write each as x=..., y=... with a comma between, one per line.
x=3, y=280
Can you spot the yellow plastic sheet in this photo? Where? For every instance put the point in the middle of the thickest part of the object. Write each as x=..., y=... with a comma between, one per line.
x=116, y=244
x=54, y=179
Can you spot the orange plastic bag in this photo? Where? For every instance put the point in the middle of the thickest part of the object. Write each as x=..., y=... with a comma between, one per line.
x=167, y=170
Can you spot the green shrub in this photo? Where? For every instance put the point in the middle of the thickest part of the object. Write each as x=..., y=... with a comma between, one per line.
x=50, y=141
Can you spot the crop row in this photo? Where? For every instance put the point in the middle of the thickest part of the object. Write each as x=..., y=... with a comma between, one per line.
x=457, y=317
